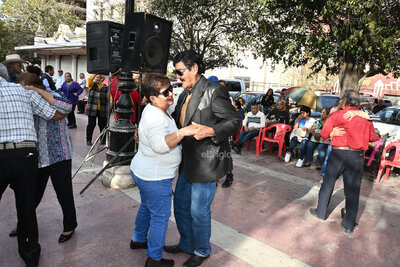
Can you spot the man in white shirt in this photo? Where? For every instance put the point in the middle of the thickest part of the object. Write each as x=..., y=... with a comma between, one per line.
x=252, y=123
x=60, y=79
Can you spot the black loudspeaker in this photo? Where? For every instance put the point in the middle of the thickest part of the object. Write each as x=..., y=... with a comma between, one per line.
x=103, y=46
x=146, y=41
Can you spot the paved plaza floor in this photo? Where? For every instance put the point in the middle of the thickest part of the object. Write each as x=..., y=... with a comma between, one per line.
x=261, y=220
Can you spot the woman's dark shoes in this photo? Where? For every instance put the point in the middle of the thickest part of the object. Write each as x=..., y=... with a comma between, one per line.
x=13, y=232
x=194, y=260
x=89, y=143
x=138, y=245
x=72, y=126
x=306, y=164
x=161, y=263
x=174, y=249
x=64, y=238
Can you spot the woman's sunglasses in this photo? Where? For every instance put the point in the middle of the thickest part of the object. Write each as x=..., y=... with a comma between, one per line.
x=165, y=92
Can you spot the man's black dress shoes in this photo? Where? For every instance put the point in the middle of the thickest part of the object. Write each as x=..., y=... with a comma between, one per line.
x=347, y=231
x=174, y=249
x=13, y=232
x=138, y=245
x=194, y=260
x=161, y=263
x=65, y=238
x=313, y=212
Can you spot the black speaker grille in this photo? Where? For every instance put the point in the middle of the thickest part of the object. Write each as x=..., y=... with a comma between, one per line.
x=154, y=52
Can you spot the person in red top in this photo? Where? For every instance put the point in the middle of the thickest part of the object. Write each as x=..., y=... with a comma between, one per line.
x=346, y=158
x=116, y=94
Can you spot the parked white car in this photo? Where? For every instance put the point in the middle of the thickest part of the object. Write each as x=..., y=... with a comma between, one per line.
x=388, y=121
x=235, y=87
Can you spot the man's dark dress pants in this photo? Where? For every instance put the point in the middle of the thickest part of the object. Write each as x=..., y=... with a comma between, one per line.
x=350, y=164
x=18, y=168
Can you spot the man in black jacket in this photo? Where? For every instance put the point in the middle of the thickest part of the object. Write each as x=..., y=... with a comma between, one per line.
x=206, y=156
x=47, y=78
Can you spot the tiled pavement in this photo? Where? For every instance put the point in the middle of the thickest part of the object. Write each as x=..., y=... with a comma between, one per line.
x=262, y=220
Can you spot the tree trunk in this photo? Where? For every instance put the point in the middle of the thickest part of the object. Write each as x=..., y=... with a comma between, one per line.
x=349, y=76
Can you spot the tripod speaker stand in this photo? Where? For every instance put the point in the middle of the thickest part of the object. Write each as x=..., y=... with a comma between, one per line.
x=119, y=136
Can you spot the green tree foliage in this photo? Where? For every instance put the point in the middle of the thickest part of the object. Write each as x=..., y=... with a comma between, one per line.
x=5, y=44
x=23, y=17
x=206, y=26
x=354, y=39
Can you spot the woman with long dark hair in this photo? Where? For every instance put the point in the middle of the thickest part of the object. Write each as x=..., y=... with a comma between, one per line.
x=55, y=152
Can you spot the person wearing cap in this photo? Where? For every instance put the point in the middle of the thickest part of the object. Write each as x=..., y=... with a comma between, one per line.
x=60, y=79
x=19, y=156
x=13, y=63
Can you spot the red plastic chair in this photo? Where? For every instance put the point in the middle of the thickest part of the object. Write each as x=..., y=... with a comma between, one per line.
x=278, y=137
x=389, y=163
x=257, y=139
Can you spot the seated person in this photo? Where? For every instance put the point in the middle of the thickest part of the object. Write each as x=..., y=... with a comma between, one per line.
x=267, y=101
x=238, y=108
x=317, y=141
x=251, y=125
x=380, y=106
x=300, y=134
x=280, y=114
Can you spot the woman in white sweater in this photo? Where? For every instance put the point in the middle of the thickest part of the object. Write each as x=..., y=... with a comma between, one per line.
x=154, y=167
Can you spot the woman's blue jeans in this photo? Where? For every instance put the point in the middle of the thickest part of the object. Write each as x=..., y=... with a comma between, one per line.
x=153, y=215
x=193, y=214
x=321, y=151
x=328, y=151
x=303, y=146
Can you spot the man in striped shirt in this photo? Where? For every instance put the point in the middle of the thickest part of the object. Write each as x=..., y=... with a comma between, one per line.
x=19, y=158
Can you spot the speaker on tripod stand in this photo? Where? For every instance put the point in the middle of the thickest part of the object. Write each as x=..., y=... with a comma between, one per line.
x=103, y=46
x=146, y=41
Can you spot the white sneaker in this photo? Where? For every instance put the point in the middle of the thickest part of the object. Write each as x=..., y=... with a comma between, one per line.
x=299, y=163
x=287, y=157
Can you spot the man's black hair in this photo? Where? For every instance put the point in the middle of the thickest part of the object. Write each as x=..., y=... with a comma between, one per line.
x=48, y=68
x=305, y=109
x=352, y=98
x=189, y=58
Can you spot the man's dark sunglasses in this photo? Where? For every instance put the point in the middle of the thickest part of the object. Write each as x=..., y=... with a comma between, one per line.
x=179, y=72
x=166, y=92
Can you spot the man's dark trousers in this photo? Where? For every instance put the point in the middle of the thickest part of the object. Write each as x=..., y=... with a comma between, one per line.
x=350, y=164
x=18, y=168
x=244, y=137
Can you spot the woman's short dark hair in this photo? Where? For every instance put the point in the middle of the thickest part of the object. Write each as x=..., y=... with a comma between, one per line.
x=189, y=58
x=34, y=70
x=28, y=78
x=352, y=98
x=153, y=83
x=305, y=109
